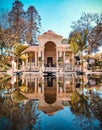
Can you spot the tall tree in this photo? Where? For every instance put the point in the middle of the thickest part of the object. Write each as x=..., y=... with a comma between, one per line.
x=20, y=26
x=95, y=35
x=2, y=43
x=92, y=23
x=95, y=38
x=82, y=42
x=34, y=25
x=86, y=21
x=74, y=47
x=4, y=23
x=17, y=52
x=17, y=19
x=78, y=42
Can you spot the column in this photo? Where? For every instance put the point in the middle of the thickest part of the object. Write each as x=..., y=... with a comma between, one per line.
x=64, y=59
x=26, y=81
x=73, y=62
x=64, y=87
x=43, y=55
x=39, y=55
x=26, y=61
x=35, y=84
x=43, y=85
x=64, y=56
x=57, y=59
x=74, y=82
x=57, y=85
x=43, y=88
x=35, y=58
x=60, y=54
x=43, y=60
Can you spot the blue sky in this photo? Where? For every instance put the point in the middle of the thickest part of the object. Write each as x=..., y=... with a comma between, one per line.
x=57, y=15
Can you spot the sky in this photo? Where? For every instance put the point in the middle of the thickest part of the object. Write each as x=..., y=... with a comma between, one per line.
x=57, y=15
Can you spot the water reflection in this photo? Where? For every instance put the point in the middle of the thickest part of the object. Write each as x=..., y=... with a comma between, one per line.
x=24, y=97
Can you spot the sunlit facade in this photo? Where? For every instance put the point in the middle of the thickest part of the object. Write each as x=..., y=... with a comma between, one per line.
x=51, y=54
x=51, y=91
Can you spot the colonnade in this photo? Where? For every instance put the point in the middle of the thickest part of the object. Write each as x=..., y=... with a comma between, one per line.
x=38, y=85
x=38, y=64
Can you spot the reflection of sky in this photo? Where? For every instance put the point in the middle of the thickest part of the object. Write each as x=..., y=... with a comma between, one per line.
x=62, y=120
x=58, y=15
x=4, y=122
x=99, y=92
x=65, y=120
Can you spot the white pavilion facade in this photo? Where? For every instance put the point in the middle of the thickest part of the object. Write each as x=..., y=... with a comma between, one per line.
x=51, y=54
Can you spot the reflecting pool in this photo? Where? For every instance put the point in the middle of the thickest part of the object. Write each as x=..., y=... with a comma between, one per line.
x=67, y=101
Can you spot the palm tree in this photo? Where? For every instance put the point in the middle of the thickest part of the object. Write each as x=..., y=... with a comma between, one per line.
x=2, y=43
x=79, y=104
x=17, y=52
x=82, y=43
x=74, y=47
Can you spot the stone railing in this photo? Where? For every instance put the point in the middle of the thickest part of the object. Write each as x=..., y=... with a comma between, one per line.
x=30, y=67
x=50, y=69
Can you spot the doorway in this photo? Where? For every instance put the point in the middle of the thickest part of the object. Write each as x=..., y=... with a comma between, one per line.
x=50, y=54
x=49, y=61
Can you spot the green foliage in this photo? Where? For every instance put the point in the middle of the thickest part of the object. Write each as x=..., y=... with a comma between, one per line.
x=4, y=63
x=86, y=21
x=20, y=114
x=60, y=59
x=79, y=104
x=19, y=48
x=64, y=41
x=40, y=58
x=95, y=38
x=19, y=25
x=34, y=25
x=17, y=97
x=82, y=40
x=4, y=81
x=78, y=42
x=2, y=43
x=73, y=45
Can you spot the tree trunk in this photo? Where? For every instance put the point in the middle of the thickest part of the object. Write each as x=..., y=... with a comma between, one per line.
x=73, y=62
x=1, y=51
x=90, y=48
x=17, y=62
x=82, y=61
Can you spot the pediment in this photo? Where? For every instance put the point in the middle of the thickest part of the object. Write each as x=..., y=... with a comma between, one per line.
x=50, y=34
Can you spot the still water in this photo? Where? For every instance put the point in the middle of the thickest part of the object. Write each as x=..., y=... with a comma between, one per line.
x=57, y=102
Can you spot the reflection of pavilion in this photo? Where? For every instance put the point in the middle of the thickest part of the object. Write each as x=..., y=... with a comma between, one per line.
x=49, y=90
x=50, y=54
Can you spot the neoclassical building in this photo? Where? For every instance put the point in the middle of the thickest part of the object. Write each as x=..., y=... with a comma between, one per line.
x=51, y=54
x=51, y=91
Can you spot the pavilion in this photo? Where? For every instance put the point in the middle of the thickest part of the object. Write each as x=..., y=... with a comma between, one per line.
x=50, y=54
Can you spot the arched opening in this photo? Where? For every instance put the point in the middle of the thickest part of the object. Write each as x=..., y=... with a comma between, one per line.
x=50, y=98
x=50, y=54
x=50, y=90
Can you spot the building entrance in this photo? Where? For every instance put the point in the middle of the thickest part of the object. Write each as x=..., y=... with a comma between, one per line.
x=50, y=54
x=49, y=61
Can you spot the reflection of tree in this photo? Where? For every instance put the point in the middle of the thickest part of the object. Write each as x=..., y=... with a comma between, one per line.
x=22, y=116
x=5, y=81
x=79, y=104
x=96, y=106
x=87, y=110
